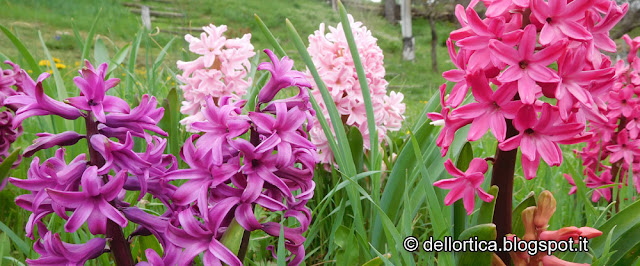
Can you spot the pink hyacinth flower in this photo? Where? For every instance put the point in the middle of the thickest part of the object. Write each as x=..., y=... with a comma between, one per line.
x=525, y=66
x=466, y=184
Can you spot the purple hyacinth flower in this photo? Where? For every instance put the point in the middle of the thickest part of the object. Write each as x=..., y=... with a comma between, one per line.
x=143, y=117
x=283, y=130
x=93, y=86
x=223, y=123
x=34, y=102
x=282, y=76
x=48, y=140
x=92, y=203
x=55, y=252
x=201, y=175
x=197, y=238
x=8, y=134
x=119, y=156
x=259, y=166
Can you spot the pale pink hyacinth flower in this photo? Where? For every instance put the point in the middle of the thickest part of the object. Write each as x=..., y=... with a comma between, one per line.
x=330, y=53
x=221, y=70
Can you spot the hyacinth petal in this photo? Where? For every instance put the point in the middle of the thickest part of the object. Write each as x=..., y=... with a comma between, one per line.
x=220, y=210
x=98, y=113
x=447, y=183
x=188, y=192
x=525, y=118
x=66, y=138
x=113, y=214
x=498, y=126
x=189, y=253
x=510, y=143
x=549, y=151
x=255, y=184
x=477, y=165
x=223, y=253
x=79, y=102
x=504, y=53
x=542, y=74
x=476, y=24
x=478, y=128
x=574, y=30
x=112, y=188
x=90, y=181
x=452, y=170
x=68, y=199
x=528, y=42
x=511, y=74
x=79, y=216
x=245, y=217
x=469, y=111
x=530, y=167
x=115, y=104
x=455, y=193
x=469, y=200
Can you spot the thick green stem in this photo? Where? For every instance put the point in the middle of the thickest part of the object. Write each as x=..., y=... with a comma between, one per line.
x=118, y=244
x=502, y=176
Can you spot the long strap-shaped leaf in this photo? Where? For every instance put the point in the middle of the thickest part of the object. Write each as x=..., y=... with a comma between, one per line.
x=346, y=163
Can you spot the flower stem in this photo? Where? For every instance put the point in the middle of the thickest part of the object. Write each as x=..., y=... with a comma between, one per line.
x=502, y=176
x=118, y=244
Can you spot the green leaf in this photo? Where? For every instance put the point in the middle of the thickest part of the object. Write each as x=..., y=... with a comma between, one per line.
x=516, y=223
x=118, y=58
x=232, y=237
x=22, y=49
x=281, y=259
x=357, y=147
x=405, y=162
x=100, y=52
x=485, y=214
x=21, y=244
x=6, y=165
x=89, y=42
x=483, y=232
x=377, y=261
x=362, y=79
x=272, y=40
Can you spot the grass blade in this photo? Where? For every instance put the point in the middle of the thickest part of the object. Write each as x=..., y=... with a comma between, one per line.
x=22, y=49
x=61, y=89
x=89, y=42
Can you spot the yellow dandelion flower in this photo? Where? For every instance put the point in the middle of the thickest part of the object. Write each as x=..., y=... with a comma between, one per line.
x=77, y=63
x=30, y=71
x=56, y=60
x=173, y=83
x=408, y=132
x=168, y=78
x=60, y=66
x=123, y=74
x=44, y=63
x=50, y=71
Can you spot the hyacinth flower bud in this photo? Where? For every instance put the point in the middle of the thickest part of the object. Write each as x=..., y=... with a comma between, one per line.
x=528, y=215
x=564, y=233
x=519, y=258
x=589, y=232
x=546, y=208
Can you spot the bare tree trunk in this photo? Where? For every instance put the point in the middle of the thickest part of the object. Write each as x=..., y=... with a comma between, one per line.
x=434, y=42
x=334, y=4
x=409, y=43
x=390, y=11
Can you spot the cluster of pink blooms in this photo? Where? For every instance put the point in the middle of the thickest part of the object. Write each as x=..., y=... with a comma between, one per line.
x=227, y=178
x=221, y=70
x=331, y=55
x=508, y=61
x=615, y=145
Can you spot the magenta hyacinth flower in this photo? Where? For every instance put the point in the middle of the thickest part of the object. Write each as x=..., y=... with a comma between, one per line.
x=594, y=181
x=283, y=130
x=282, y=76
x=93, y=86
x=466, y=184
x=33, y=102
x=560, y=19
x=92, y=203
x=119, y=156
x=222, y=123
x=490, y=110
x=539, y=137
x=624, y=148
x=196, y=238
x=53, y=251
x=525, y=66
